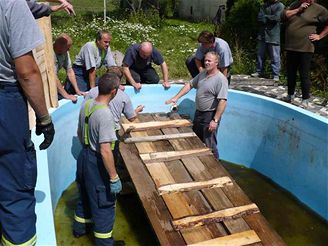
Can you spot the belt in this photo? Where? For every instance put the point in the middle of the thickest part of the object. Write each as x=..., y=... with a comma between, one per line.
x=9, y=86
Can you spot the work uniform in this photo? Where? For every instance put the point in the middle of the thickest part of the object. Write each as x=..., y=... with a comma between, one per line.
x=19, y=34
x=141, y=69
x=96, y=206
x=90, y=56
x=209, y=91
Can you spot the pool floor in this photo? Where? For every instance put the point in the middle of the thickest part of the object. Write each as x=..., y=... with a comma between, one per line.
x=295, y=223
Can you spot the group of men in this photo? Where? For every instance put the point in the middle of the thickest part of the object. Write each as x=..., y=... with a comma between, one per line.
x=97, y=178
x=301, y=19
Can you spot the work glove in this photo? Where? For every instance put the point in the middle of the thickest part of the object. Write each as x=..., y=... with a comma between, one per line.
x=115, y=185
x=44, y=125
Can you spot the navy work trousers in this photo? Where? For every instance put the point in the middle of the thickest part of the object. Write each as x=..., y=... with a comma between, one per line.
x=18, y=169
x=201, y=123
x=147, y=75
x=96, y=205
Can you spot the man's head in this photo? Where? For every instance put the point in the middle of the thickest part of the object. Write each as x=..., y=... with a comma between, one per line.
x=145, y=50
x=206, y=38
x=62, y=44
x=116, y=70
x=103, y=39
x=211, y=61
x=108, y=85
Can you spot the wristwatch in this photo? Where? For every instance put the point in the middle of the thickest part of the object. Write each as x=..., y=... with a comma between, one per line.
x=215, y=120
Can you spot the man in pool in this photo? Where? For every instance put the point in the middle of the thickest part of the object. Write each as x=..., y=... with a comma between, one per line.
x=211, y=100
x=96, y=175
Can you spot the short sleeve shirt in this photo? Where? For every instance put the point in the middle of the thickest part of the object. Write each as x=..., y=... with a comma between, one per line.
x=90, y=56
x=63, y=61
x=121, y=103
x=133, y=60
x=19, y=34
x=101, y=126
x=222, y=48
x=209, y=90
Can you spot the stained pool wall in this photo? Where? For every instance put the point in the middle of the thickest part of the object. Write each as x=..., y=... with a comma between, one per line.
x=281, y=141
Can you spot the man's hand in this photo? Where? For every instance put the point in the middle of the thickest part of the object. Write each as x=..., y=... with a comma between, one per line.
x=303, y=7
x=213, y=125
x=139, y=109
x=137, y=86
x=172, y=100
x=314, y=37
x=68, y=7
x=44, y=125
x=122, y=87
x=166, y=84
x=73, y=98
x=115, y=185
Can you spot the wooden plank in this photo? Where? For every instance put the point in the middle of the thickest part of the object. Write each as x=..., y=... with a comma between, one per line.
x=173, y=155
x=154, y=205
x=181, y=187
x=128, y=127
x=217, y=216
x=159, y=137
x=237, y=239
x=178, y=204
x=49, y=58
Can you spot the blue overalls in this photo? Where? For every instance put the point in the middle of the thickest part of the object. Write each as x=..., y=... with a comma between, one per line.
x=18, y=169
x=96, y=205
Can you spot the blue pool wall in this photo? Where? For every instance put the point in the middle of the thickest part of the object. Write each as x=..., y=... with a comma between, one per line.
x=281, y=141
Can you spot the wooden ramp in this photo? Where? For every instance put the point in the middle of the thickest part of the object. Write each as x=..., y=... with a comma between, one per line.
x=189, y=198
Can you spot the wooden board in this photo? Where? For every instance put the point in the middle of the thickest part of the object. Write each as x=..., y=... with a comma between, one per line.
x=191, y=203
x=159, y=137
x=44, y=57
x=173, y=155
x=128, y=127
x=181, y=187
x=237, y=239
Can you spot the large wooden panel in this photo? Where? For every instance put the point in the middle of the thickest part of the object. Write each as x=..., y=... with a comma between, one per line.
x=188, y=170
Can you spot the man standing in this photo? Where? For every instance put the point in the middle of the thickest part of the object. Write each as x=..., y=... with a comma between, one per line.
x=90, y=58
x=208, y=42
x=137, y=66
x=20, y=80
x=211, y=100
x=97, y=178
x=61, y=47
x=302, y=20
x=269, y=37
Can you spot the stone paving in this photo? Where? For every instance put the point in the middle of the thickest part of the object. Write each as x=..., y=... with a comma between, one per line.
x=270, y=88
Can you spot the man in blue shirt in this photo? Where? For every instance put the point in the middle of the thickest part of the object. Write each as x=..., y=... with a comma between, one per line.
x=269, y=37
x=137, y=66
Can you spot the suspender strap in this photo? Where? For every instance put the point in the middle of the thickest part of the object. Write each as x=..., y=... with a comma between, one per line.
x=103, y=53
x=88, y=114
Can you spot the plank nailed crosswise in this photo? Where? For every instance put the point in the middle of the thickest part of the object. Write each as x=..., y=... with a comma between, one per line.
x=173, y=155
x=180, y=187
x=143, y=126
x=217, y=216
x=236, y=239
x=159, y=137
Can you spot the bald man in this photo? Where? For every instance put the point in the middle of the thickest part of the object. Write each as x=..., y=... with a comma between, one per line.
x=61, y=47
x=137, y=65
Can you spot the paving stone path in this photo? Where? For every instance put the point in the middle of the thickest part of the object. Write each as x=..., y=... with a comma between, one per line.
x=270, y=88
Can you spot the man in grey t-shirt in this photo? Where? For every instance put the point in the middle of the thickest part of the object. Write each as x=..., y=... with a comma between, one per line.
x=61, y=47
x=208, y=42
x=211, y=100
x=97, y=179
x=91, y=57
x=20, y=80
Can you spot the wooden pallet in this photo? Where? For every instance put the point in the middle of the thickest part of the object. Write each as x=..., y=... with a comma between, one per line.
x=189, y=198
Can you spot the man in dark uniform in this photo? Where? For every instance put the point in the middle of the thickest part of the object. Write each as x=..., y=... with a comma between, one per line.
x=20, y=81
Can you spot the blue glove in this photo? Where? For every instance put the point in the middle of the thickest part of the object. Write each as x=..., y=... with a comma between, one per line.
x=115, y=185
